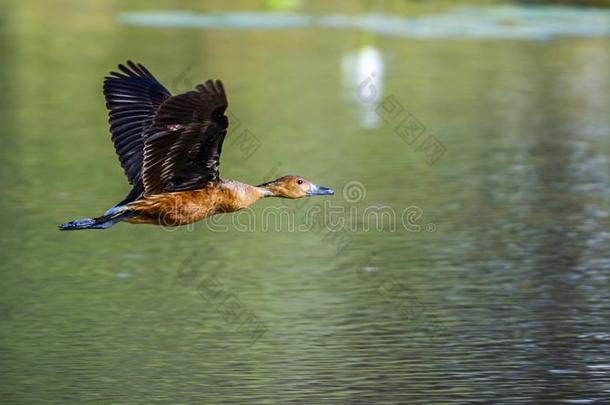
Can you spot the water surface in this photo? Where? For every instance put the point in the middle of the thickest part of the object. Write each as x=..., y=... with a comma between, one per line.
x=498, y=295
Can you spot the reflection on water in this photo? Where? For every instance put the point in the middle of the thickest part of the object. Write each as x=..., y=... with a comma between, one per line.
x=363, y=82
x=504, y=301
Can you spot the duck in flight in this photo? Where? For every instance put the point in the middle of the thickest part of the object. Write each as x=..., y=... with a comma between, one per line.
x=169, y=147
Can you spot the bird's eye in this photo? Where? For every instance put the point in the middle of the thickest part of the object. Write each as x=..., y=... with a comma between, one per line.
x=299, y=181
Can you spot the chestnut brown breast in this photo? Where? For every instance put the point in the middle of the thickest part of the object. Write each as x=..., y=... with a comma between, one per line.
x=186, y=207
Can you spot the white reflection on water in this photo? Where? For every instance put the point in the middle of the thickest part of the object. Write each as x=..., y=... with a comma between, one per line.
x=362, y=74
x=523, y=22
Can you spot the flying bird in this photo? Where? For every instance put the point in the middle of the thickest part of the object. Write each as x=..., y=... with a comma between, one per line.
x=169, y=148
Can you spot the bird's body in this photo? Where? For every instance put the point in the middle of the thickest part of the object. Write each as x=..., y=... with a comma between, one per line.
x=169, y=147
x=186, y=207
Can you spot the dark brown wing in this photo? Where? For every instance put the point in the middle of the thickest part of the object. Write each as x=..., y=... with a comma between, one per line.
x=133, y=95
x=183, y=146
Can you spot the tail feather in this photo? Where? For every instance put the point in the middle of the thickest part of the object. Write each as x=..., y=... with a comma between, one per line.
x=110, y=217
x=87, y=223
x=84, y=223
x=103, y=222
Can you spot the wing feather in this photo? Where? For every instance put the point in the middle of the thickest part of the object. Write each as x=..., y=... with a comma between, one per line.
x=182, y=148
x=132, y=97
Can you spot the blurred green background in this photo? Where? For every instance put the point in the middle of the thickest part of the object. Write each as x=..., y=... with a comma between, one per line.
x=500, y=297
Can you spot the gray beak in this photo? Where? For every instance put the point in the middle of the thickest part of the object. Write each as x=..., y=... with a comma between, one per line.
x=319, y=190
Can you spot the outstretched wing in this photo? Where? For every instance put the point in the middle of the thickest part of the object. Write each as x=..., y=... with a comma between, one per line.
x=132, y=97
x=183, y=145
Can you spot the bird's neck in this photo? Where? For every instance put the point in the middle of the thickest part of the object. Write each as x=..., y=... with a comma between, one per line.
x=264, y=191
x=244, y=195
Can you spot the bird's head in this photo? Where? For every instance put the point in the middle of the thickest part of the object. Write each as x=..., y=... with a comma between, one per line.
x=294, y=187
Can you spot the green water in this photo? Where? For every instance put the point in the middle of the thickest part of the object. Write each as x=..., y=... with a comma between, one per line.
x=497, y=292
